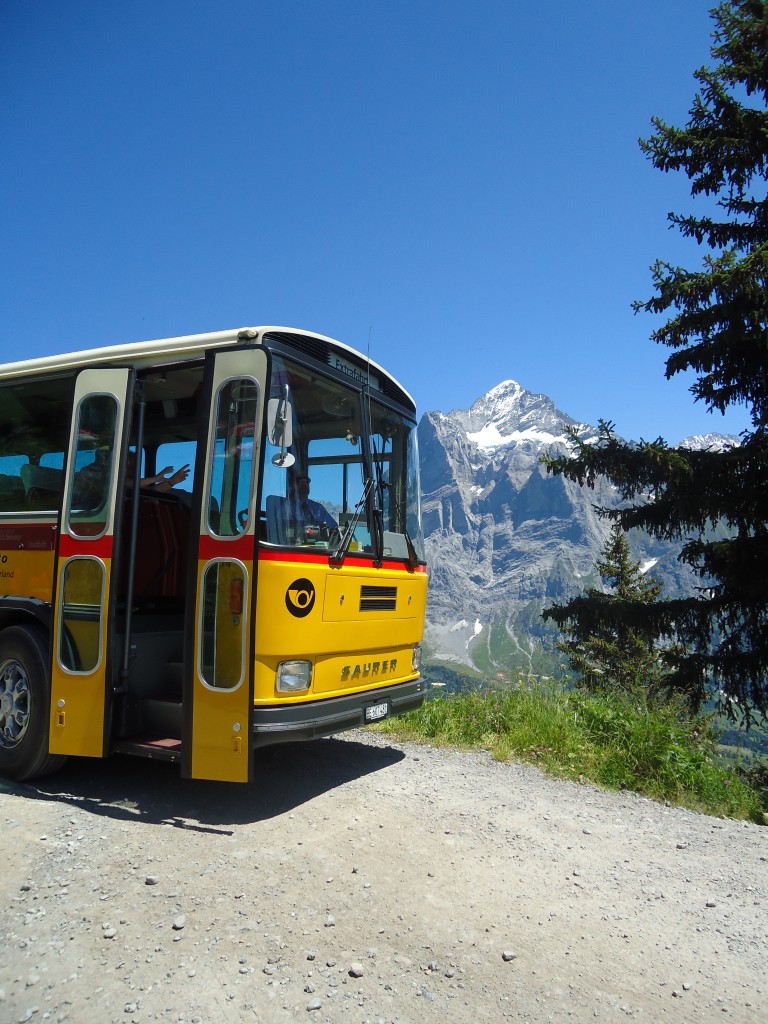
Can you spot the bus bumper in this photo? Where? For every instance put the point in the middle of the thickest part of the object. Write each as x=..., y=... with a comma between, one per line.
x=289, y=723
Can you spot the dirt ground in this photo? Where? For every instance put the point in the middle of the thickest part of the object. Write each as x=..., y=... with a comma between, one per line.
x=363, y=881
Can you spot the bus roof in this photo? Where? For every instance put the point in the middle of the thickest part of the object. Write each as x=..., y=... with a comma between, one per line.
x=144, y=354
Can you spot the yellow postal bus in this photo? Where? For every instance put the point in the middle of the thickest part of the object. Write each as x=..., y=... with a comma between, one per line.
x=207, y=544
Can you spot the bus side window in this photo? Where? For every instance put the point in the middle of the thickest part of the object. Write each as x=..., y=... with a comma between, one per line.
x=34, y=421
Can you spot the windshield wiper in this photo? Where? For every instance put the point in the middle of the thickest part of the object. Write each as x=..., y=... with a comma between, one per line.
x=337, y=557
x=376, y=513
x=413, y=558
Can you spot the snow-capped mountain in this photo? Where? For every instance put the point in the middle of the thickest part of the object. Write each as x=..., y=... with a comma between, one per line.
x=509, y=415
x=504, y=538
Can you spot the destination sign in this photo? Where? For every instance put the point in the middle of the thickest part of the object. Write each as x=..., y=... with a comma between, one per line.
x=360, y=376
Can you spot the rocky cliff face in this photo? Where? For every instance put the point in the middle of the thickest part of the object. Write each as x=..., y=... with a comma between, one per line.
x=504, y=538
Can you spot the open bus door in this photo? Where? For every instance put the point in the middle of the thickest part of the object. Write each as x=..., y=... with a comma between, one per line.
x=84, y=601
x=219, y=652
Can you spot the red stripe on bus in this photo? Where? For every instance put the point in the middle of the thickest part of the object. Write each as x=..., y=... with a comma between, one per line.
x=240, y=547
x=100, y=547
x=312, y=559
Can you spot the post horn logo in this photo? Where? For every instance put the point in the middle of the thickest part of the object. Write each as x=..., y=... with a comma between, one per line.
x=300, y=598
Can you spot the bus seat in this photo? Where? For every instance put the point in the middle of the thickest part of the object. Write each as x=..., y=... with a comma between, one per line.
x=161, y=550
x=42, y=478
x=11, y=493
x=275, y=519
x=42, y=486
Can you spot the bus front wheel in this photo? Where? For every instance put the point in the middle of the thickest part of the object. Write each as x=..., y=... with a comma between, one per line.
x=24, y=705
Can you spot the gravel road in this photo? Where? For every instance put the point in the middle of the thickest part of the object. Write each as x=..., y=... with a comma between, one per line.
x=363, y=881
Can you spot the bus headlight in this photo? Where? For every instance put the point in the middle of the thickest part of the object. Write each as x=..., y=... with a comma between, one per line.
x=417, y=657
x=294, y=676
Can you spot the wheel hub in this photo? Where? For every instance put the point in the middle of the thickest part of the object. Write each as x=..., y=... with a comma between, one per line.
x=14, y=704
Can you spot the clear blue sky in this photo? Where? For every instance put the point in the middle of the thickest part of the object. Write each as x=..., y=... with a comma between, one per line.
x=460, y=182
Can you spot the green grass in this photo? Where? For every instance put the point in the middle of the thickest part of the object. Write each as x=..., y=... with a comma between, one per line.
x=607, y=739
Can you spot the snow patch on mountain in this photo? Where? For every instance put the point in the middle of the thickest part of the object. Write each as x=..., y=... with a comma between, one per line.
x=490, y=438
x=710, y=442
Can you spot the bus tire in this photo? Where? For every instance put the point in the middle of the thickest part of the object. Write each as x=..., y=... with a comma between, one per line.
x=24, y=705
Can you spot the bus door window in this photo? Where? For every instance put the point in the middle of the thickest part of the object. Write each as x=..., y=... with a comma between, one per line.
x=92, y=468
x=233, y=460
x=222, y=646
x=82, y=610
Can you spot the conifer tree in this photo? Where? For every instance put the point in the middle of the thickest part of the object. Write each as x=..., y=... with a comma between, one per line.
x=714, y=502
x=604, y=645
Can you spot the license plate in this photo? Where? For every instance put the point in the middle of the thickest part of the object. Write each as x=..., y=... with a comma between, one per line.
x=375, y=712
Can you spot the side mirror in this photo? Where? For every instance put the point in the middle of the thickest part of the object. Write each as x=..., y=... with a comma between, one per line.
x=280, y=429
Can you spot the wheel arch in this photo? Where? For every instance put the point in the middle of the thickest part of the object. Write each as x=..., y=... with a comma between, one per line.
x=25, y=695
x=25, y=611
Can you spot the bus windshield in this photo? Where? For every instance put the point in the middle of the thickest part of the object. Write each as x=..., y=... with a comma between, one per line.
x=326, y=478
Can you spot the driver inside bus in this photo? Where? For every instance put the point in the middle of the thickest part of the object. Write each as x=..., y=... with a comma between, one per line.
x=305, y=512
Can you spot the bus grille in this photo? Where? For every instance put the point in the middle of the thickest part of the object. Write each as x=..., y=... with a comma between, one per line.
x=378, y=599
